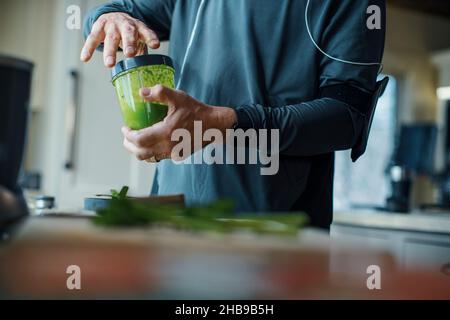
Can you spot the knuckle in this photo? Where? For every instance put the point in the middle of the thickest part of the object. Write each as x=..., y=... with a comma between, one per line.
x=142, y=26
x=140, y=141
x=113, y=36
x=100, y=21
x=129, y=28
x=182, y=94
x=147, y=33
x=159, y=89
x=145, y=36
x=120, y=17
x=94, y=36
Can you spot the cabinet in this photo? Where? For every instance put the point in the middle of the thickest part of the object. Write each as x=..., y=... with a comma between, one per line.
x=432, y=255
x=412, y=250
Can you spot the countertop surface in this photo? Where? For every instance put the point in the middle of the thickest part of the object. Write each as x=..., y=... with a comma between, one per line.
x=417, y=221
x=156, y=263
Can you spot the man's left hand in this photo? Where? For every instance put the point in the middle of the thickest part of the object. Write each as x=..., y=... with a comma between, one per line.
x=155, y=142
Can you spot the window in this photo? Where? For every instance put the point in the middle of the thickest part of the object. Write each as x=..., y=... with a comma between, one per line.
x=364, y=182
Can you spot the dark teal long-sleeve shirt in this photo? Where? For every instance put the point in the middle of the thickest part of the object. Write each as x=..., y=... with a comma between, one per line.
x=256, y=56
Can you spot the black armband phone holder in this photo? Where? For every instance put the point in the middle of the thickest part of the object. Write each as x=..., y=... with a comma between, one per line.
x=360, y=147
x=363, y=102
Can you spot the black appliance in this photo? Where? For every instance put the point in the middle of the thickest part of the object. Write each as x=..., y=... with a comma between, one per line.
x=414, y=155
x=444, y=178
x=15, y=87
x=416, y=148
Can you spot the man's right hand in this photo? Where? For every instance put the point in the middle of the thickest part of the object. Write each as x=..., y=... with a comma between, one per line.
x=116, y=30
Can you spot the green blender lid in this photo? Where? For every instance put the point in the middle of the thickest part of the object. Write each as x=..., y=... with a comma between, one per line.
x=140, y=61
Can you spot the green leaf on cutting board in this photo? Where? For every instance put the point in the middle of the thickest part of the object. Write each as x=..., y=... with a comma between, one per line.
x=216, y=217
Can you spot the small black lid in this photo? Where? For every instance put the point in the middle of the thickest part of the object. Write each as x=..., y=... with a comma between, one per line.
x=8, y=61
x=139, y=61
x=44, y=198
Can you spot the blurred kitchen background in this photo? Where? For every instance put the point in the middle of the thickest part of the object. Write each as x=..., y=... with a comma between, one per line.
x=395, y=198
x=74, y=144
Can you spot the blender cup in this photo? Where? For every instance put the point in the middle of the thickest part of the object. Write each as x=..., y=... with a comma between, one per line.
x=129, y=76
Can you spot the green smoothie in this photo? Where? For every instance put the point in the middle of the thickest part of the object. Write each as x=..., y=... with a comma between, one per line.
x=130, y=77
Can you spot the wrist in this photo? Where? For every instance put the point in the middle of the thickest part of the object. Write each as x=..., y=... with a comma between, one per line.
x=221, y=118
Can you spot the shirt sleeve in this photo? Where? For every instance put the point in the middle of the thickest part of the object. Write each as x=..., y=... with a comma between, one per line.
x=328, y=124
x=156, y=14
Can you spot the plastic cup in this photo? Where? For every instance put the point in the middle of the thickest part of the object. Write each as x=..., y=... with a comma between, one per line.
x=129, y=76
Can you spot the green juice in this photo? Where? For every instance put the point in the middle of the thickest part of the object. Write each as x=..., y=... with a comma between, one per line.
x=130, y=78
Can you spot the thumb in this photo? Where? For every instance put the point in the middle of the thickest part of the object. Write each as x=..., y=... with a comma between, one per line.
x=160, y=94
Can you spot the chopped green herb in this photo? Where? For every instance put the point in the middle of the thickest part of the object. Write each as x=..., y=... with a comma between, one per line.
x=216, y=217
x=122, y=194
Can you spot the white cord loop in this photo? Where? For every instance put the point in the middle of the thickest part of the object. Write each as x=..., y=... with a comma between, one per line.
x=194, y=33
x=330, y=56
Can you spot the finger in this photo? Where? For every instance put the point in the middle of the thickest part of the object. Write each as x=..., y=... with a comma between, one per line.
x=130, y=147
x=148, y=36
x=125, y=130
x=141, y=48
x=162, y=94
x=129, y=39
x=94, y=39
x=141, y=138
x=112, y=41
x=139, y=153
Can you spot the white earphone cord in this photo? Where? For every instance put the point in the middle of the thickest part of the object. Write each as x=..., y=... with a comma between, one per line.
x=330, y=56
x=194, y=32
x=191, y=40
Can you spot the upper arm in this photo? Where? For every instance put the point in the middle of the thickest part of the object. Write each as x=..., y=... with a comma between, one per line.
x=340, y=28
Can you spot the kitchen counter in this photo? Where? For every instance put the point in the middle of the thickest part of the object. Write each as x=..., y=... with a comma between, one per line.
x=158, y=263
x=417, y=221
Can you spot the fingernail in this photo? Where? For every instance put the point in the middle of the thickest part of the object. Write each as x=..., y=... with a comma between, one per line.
x=109, y=61
x=130, y=50
x=154, y=42
x=146, y=92
x=84, y=55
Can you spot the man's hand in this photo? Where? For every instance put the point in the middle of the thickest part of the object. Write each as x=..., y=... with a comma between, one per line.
x=116, y=30
x=155, y=142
